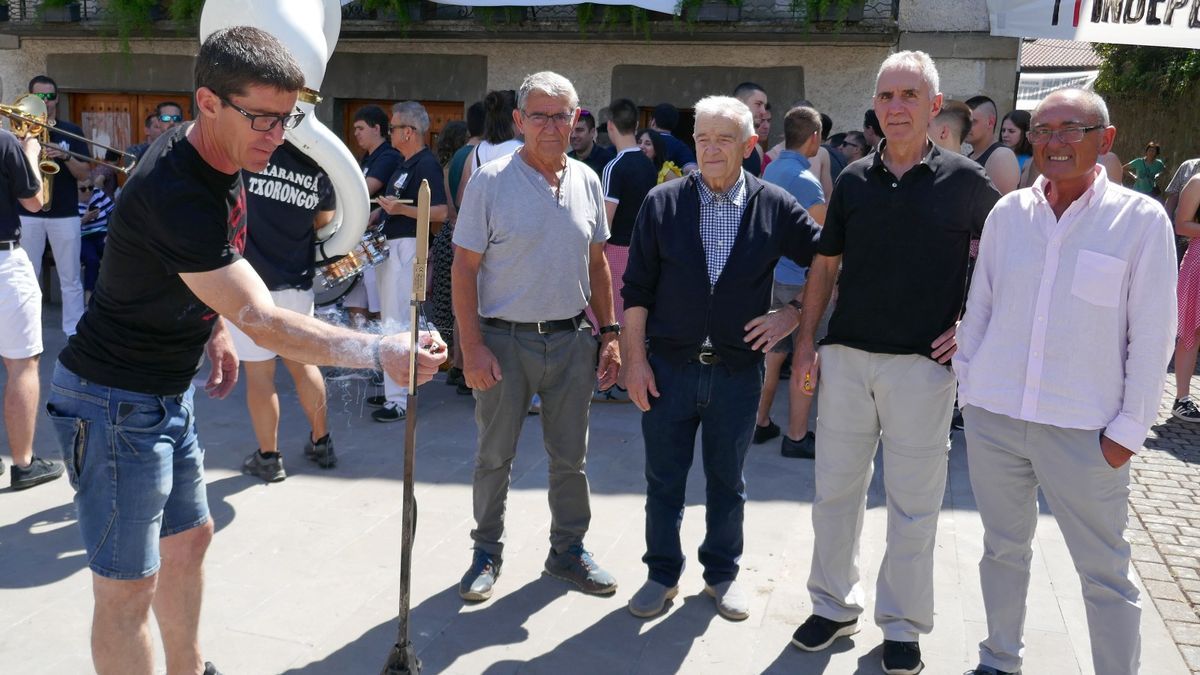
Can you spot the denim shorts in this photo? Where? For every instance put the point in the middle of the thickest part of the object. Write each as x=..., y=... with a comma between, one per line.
x=136, y=466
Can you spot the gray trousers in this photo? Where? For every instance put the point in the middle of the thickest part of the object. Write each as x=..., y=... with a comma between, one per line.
x=561, y=368
x=907, y=400
x=1008, y=460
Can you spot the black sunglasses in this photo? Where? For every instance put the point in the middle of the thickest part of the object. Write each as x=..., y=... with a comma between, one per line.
x=84, y=188
x=173, y=118
x=48, y=95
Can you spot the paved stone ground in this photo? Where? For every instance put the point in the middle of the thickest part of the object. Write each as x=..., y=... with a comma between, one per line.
x=302, y=575
x=1165, y=527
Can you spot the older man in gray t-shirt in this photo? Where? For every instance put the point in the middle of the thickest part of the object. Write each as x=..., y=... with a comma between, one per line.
x=530, y=237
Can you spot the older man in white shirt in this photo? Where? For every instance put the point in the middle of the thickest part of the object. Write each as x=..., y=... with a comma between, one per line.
x=1061, y=359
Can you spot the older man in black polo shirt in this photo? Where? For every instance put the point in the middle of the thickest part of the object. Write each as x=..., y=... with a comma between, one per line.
x=698, y=285
x=900, y=227
x=409, y=125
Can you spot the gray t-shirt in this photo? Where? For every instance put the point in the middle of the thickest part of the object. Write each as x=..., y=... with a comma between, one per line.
x=535, y=246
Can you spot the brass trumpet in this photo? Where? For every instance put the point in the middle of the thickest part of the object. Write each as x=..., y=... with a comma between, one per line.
x=27, y=116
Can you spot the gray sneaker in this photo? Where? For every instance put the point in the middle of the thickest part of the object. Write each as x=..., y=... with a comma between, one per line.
x=321, y=451
x=269, y=469
x=733, y=602
x=477, y=583
x=577, y=566
x=39, y=471
x=651, y=598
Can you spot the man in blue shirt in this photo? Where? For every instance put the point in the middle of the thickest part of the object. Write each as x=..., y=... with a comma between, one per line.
x=802, y=138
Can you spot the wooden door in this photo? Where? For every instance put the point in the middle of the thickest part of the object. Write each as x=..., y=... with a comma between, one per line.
x=118, y=119
x=683, y=130
x=440, y=112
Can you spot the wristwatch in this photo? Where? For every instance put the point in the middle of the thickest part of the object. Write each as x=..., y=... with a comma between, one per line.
x=611, y=328
x=797, y=304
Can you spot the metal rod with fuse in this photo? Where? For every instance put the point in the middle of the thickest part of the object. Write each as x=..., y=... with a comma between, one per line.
x=403, y=657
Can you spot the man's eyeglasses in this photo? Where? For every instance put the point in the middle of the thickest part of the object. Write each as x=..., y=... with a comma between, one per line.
x=47, y=95
x=1067, y=135
x=853, y=145
x=393, y=127
x=179, y=118
x=264, y=123
x=542, y=119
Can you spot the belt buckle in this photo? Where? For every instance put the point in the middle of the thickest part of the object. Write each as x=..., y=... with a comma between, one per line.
x=543, y=327
x=707, y=358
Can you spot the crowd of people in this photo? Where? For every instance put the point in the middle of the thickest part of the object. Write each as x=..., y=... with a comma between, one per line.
x=1015, y=279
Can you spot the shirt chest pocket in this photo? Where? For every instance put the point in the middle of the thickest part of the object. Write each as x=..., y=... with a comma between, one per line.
x=1098, y=278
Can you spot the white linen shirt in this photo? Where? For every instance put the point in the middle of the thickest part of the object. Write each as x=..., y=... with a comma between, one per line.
x=1070, y=322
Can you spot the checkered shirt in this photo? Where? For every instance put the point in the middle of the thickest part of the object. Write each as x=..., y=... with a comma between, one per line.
x=720, y=217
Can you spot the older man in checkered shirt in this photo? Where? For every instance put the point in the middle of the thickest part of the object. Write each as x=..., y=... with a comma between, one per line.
x=697, y=288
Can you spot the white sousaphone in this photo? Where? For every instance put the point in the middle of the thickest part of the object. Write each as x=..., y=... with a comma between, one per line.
x=309, y=29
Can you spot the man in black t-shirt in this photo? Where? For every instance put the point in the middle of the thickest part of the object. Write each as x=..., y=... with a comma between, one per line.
x=583, y=144
x=21, y=307
x=59, y=223
x=378, y=165
x=755, y=98
x=626, y=180
x=409, y=125
x=286, y=203
x=173, y=275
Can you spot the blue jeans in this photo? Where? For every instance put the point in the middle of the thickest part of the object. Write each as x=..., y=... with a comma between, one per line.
x=136, y=466
x=722, y=404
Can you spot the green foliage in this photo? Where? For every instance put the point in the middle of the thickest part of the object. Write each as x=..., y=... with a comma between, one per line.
x=1133, y=70
x=404, y=12
x=813, y=10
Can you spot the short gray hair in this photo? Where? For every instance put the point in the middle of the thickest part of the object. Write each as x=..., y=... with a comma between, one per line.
x=916, y=61
x=549, y=83
x=1093, y=102
x=413, y=113
x=730, y=108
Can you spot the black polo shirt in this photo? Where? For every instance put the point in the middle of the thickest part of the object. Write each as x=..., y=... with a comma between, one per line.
x=381, y=163
x=905, y=246
x=406, y=183
x=17, y=181
x=597, y=159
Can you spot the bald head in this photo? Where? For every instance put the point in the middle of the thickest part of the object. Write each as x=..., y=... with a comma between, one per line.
x=1088, y=103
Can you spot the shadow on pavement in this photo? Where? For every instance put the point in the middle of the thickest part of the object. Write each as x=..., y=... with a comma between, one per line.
x=440, y=618
x=794, y=660
x=45, y=547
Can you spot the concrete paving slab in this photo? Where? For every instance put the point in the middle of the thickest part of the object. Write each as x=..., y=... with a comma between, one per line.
x=303, y=575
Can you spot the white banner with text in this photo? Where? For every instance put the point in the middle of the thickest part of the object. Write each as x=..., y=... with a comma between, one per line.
x=1152, y=23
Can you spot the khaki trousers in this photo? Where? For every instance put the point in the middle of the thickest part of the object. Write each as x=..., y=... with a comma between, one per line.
x=1009, y=459
x=907, y=401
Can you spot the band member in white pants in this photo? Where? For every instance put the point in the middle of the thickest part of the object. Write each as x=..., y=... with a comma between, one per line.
x=1062, y=355
x=60, y=222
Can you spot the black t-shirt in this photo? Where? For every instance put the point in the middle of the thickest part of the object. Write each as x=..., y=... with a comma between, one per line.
x=627, y=179
x=753, y=164
x=406, y=183
x=597, y=159
x=281, y=203
x=17, y=181
x=64, y=197
x=904, y=245
x=145, y=330
x=381, y=163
